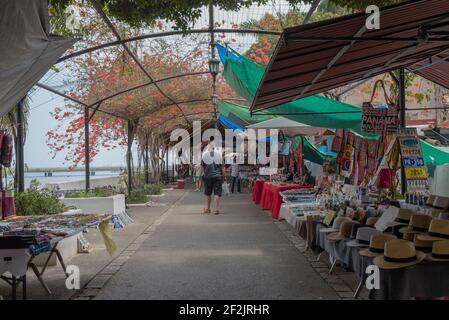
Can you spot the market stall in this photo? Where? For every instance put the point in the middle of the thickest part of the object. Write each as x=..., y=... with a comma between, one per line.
x=24, y=238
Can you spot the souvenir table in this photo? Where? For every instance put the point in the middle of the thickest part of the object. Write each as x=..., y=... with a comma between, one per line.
x=302, y=224
x=257, y=190
x=272, y=200
x=424, y=280
x=25, y=237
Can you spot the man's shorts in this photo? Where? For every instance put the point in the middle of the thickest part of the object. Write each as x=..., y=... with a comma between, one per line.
x=213, y=184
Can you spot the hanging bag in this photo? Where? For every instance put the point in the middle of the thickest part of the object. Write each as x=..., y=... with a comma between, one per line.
x=380, y=121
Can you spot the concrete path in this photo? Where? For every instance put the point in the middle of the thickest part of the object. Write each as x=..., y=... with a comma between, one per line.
x=239, y=254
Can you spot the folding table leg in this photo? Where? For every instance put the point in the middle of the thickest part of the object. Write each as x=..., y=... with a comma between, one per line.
x=39, y=277
x=334, y=264
x=48, y=260
x=24, y=287
x=319, y=256
x=359, y=288
x=14, y=287
x=61, y=261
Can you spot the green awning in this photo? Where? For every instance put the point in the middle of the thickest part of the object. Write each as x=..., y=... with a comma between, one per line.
x=244, y=77
x=433, y=155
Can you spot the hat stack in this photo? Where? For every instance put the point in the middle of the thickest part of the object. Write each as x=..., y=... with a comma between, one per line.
x=399, y=254
x=336, y=225
x=363, y=237
x=377, y=245
x=419, y=223
x=440, y=251
x=421, y=245
x=403, y=218
x=438, y=230
x=344, y=232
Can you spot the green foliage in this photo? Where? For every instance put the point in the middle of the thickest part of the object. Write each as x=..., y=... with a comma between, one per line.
x=100, y=192
x=143, y=13
x=33, y=202
x=137, y=196
x=152, y=189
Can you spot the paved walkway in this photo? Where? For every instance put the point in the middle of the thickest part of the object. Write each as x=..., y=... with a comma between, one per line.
x=240, y=254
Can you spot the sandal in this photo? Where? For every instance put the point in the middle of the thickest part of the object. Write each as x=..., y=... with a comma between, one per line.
x=206, y=211
x=216, y=212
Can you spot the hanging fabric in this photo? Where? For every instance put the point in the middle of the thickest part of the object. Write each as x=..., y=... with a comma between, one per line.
x=6, y=150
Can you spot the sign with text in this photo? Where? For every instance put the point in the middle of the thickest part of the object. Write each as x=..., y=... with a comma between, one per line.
x=381, y=121
x=413, y=162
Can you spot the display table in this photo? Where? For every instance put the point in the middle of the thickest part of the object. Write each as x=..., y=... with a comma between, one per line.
x=28, y=237
x=272, y=200
x=303, y=227
x=423, y=280
x=421, y=209
x=257, y=190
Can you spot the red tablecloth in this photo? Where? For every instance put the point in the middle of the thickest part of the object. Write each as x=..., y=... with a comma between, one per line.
x=257, y=190
x=272, y=200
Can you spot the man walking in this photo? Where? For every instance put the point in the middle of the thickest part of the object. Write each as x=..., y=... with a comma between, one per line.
x=235, y=176
x=213, y=175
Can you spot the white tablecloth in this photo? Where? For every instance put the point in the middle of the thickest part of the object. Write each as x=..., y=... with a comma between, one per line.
x=14, y=261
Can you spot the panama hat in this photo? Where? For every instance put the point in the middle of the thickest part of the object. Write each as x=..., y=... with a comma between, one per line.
x=419, y=223
x=355, y=228
x=377, y=244
x=438, y=230
x=363, y=237
x=399, y=253
x=440, y=251
x=421, y=245
x=408, y=236
x=336, y=225
x=403, y=218
x=371, y=221
x=344, y=232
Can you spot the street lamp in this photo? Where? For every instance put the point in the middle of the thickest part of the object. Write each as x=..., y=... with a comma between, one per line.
x=214, y=66
x=214, y=98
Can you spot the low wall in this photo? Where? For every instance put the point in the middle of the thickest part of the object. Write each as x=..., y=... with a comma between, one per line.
x=102, y=205
x=80, y=184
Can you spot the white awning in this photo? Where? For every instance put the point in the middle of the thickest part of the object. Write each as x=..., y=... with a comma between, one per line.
x=288, y=127
x=27, y=51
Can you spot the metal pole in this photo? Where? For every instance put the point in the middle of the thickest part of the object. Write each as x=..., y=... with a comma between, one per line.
x=128, y=155
x=86, y=148
x=402, y=119
x=212, y=51
x=20, y=166
x=166, y=163
x=147, y=175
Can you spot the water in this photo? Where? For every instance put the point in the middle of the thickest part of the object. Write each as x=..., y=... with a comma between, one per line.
x=63, y=176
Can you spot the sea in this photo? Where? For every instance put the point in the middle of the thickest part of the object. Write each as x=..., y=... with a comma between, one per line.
x=62, y=176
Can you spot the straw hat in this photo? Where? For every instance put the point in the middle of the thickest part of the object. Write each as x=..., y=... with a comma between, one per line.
x=403, y=218
x=355, y=229
x=344, y=232
x=377, y=244
x=440, y=251
x=438, y=230
x=399, y=254
x=363, y=237
x=419, y=223
x=408, y=236
x=421, y=245
x=371, y=221
x=336, y=225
